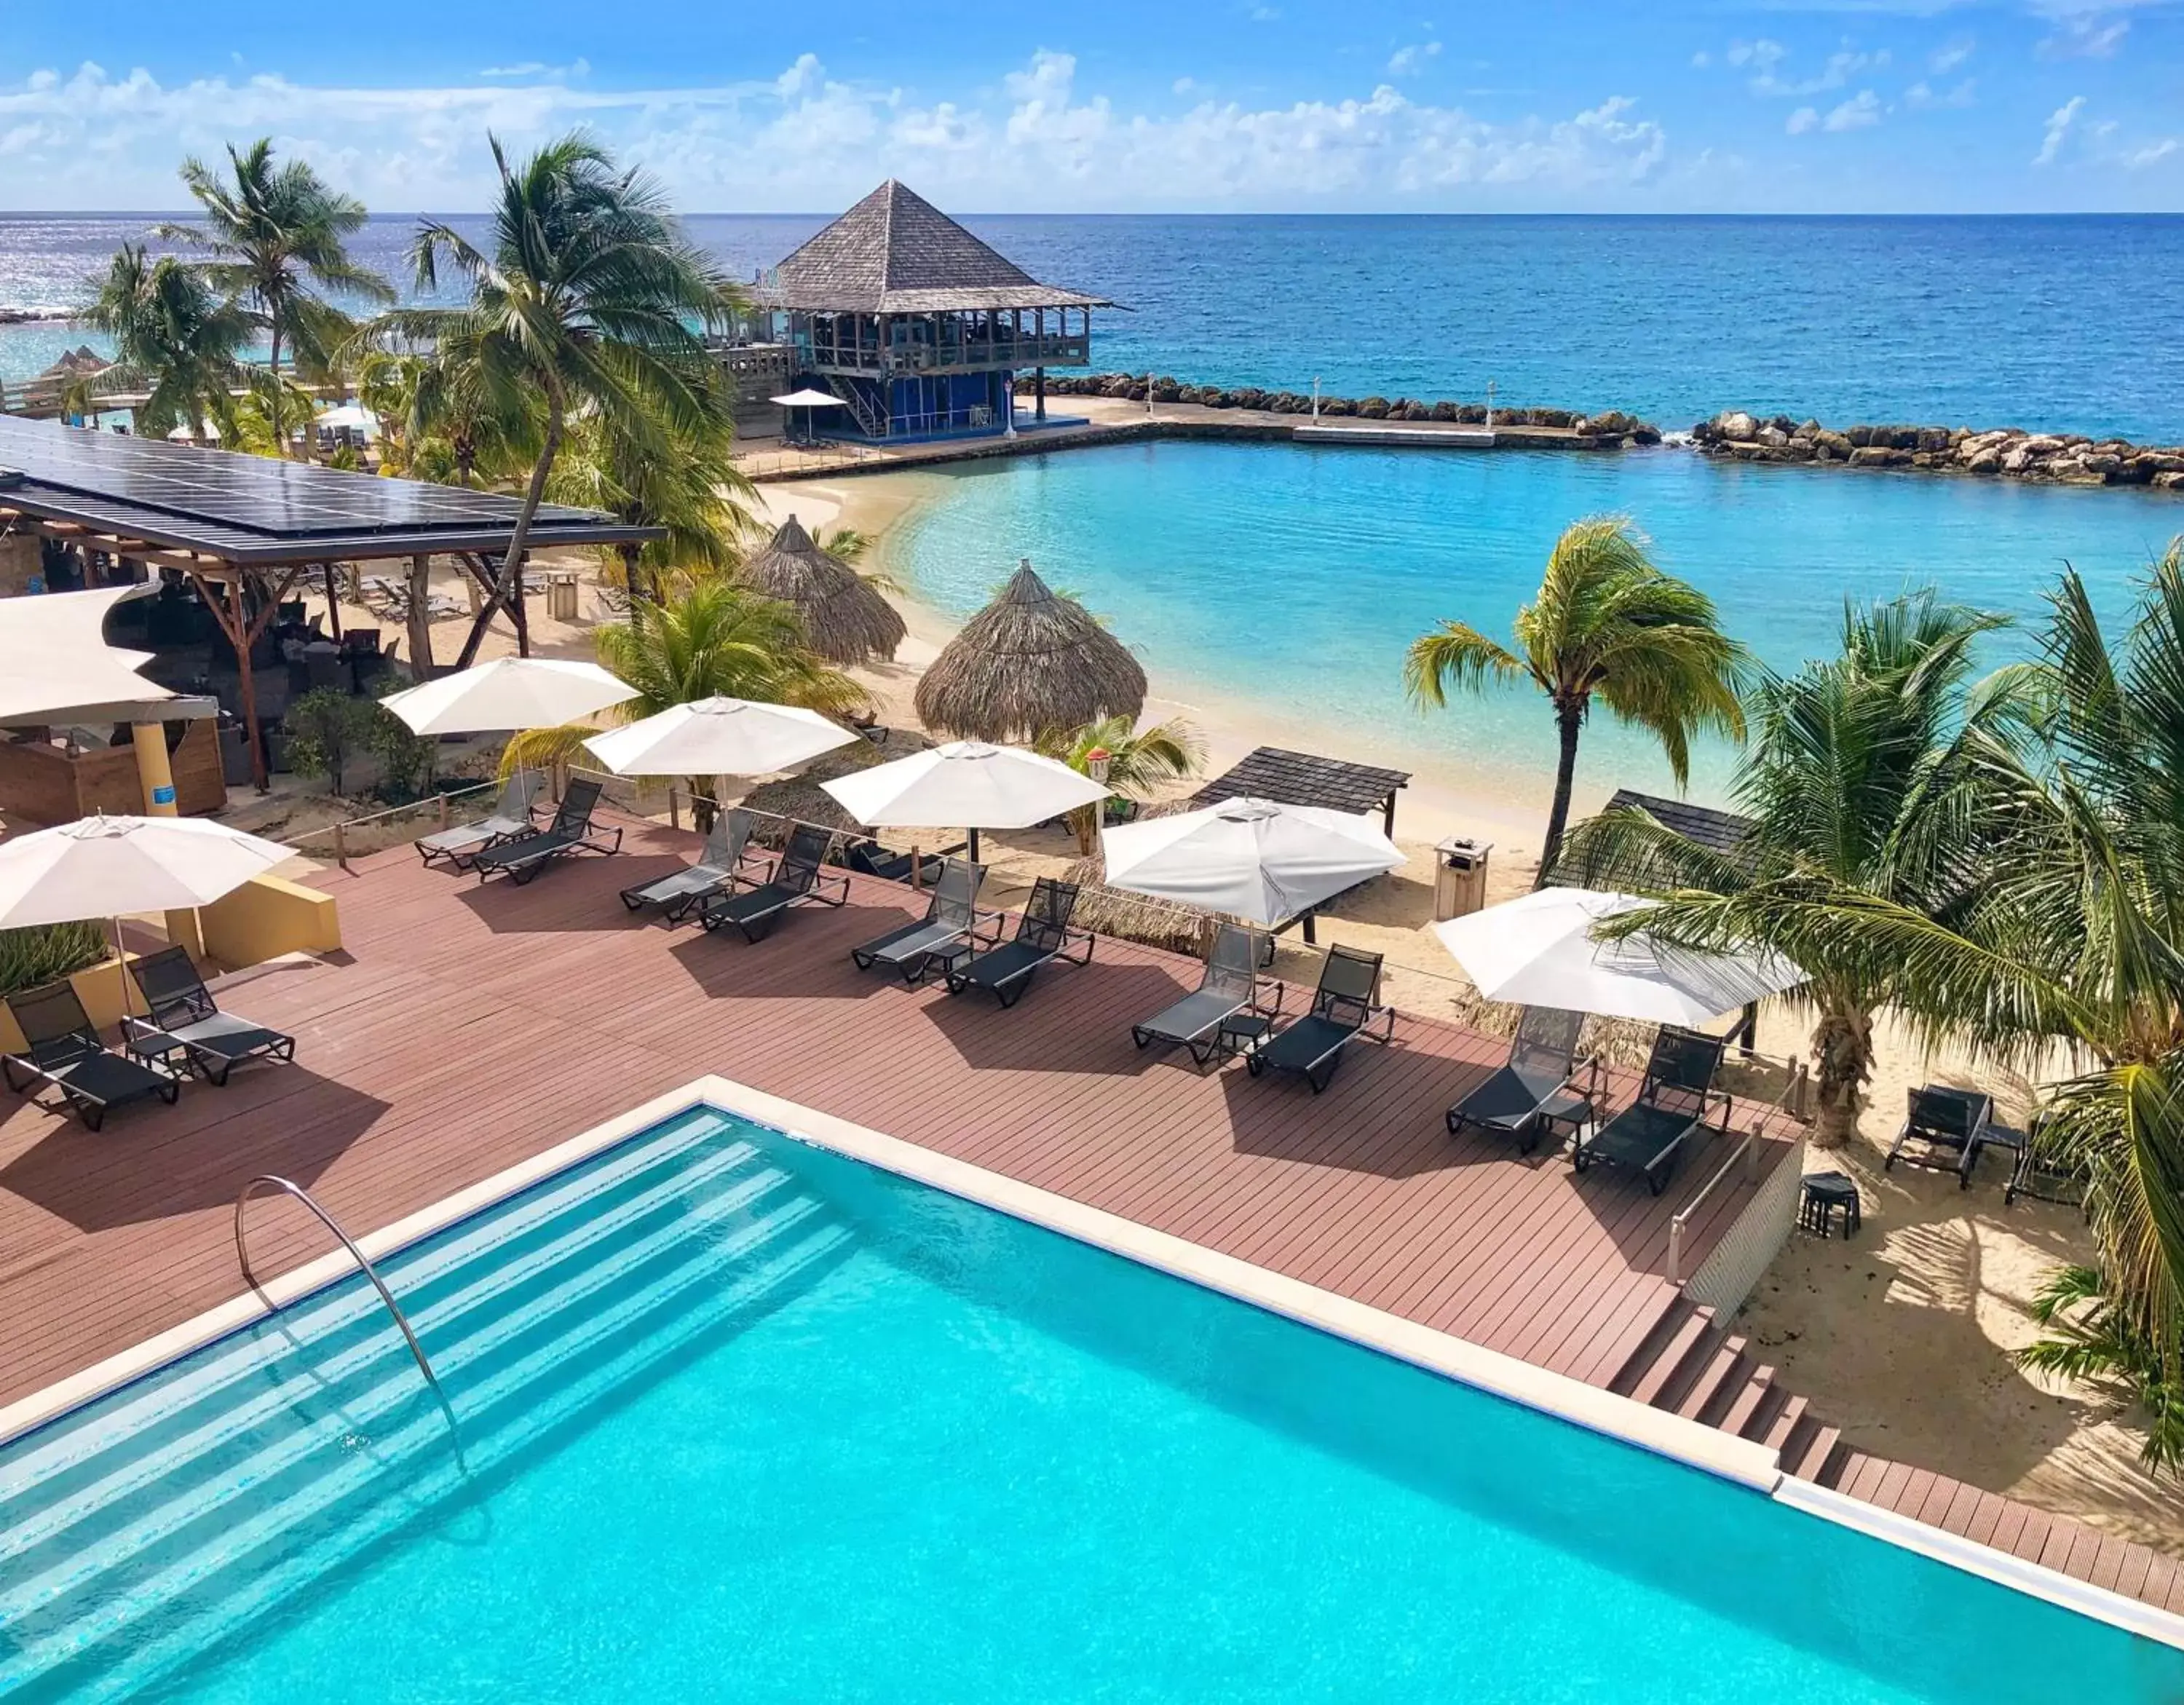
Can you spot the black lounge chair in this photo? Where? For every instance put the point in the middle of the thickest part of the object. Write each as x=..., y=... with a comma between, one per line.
x=1673, y=1103
x=870, y=858
x=951, y=924
x=1345, y=1005
x=1229, y=988
x=796, y=880
x=1534, y=1087
x=720, y=861
x=521, y=857
x=183, y=1012
x=1943, y=1129
x=1043, y=935
x=63, y=1050
x=510, y=816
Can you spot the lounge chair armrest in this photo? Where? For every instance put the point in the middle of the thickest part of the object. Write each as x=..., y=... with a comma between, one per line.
x=1261, y=988
x=831, y=889
x=988, y=925
x=1070, y=933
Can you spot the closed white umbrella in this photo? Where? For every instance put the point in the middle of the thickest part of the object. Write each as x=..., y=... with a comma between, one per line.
x=718, y=737
x=1253, y=859
x=1539, y=951
x=964, y=784
x=508, y=693
x=110, y=867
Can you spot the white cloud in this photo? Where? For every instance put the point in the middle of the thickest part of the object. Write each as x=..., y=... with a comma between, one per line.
x=1701, y=59
x=804, y=139
x=2059, y=130
x=533, y=70
x=2085, y=32
x=1836, y=73
x=1861, y=112
x=1923, y=96
x=1946, y=59
x=1265, y=14
x=2140, y=159
x=1406, y=61
x=1183, y=86
x=1804, y=119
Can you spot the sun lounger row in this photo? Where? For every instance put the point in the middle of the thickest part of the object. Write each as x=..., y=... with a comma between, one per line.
x=181, y=1031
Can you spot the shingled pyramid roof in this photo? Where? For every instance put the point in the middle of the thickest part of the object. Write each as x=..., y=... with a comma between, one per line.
x=895, y=252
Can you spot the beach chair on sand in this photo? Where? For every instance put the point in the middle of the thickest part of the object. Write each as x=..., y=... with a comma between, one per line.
x=724, y=856
x=1533, y=1086
x=1943, y=1129
x=1648, y=1135
x=797, y=880
x=870, y=858
x=1345, y=1005
x=951, y=924
x=182, y=1011
x=62, y=1051
x=1043, y=935
x=510, y=816
x=522, y=855
x=1229, y=988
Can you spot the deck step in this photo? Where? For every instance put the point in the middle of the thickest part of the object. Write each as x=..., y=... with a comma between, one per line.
x=1752, y=1403
x=1808, y=1457
x=1783, y=1426
x=1679, y=1356
x=1722, y=1374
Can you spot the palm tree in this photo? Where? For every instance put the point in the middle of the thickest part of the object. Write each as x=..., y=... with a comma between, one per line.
x=174, y=338
x=1132, y=762
x=1606, y=624
x=586, y=298
x=277, y=239
x=713, y=638
x=1859, y=783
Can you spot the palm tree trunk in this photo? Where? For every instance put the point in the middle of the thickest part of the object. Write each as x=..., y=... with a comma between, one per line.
x=273, y=401
x=419, y=617
x=1842, y=1061
x=510, y=577
x=1570, y=722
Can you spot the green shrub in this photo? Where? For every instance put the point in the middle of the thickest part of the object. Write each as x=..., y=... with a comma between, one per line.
x=47, y=952
x=405, y=760
x=326, y=729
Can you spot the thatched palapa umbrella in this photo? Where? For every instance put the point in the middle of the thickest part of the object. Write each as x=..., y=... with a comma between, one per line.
x=1029, y=661
x=845, y=619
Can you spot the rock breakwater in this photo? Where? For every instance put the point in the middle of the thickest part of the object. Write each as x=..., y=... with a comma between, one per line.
x=1611, y=426
x=1999, y=453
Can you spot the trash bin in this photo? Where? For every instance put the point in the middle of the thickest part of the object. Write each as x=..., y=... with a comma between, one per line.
x=1459, y=877
x=561, y=597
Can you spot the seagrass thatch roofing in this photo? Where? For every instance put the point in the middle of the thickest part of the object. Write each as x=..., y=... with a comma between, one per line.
x=800, y=799
x=895, y=252
x=845, y=619
x=1029, y=661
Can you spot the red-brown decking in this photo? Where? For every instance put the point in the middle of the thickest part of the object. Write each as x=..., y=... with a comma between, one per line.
x=471, y=1025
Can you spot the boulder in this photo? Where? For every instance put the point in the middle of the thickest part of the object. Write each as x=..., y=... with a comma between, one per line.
x=1772, y=436
x=1738, y=427
x=1859, y=437
x=1642, y=433
x=1988, y=461
x=1809, y=429
x=1471, y=414
x=1877, y=456
x=2020, y=457
x=1922, y=459
x=1251, y=396
x=2133, y=471
x=1837, y=445
x=2166, y=461
x=2041, y=444
x=1444, y=412
x=1783, y=424
x=2170, y=479
x=1933, y=440
x=1337, y=405
x=1215, y=398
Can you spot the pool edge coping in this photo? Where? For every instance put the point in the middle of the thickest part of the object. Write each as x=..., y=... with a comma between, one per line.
x=1691, y=1443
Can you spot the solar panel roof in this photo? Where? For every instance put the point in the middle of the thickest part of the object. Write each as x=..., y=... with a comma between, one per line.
x=256, y=508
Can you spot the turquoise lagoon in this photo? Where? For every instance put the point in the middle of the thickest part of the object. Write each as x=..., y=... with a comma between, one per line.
x=750, y=1421
x=1288, y=580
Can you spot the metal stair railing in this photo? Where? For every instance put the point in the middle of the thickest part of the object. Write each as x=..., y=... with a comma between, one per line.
x=273, y=1181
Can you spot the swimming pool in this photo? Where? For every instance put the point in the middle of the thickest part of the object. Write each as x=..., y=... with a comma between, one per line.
x=746, y=1419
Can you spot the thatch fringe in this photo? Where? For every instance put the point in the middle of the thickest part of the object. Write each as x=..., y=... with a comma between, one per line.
x=1029, y=661
x=845, y=619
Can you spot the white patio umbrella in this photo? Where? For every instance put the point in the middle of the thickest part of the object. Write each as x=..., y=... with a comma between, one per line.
x=1538, y=950
x=508, y=693
x=354, y=416
x=1252, y=858
x=808, y=399
x=108, y=867
x=964, y=784
x=718, y=737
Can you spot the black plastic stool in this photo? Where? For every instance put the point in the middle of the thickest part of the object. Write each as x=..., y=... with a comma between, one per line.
x=1825, y=1192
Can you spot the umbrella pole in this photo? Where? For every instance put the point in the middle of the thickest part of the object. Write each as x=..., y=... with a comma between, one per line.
x=973, y=838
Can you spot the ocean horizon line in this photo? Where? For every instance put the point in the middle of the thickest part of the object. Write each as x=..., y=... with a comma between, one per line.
x=2060, y=216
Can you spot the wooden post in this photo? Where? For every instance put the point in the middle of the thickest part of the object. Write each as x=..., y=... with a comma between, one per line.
x=341, y=845
x=443, y=811
x=333, y=603
x=243, y=633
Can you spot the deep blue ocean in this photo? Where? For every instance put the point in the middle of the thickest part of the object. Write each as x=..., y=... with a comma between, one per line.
x=2062, y=323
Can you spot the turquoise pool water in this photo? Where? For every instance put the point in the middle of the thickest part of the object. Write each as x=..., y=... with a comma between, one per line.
x=1290, y=580
x=750, y=1421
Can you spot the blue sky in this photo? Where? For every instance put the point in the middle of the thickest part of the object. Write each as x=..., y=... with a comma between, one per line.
x=1661, y=105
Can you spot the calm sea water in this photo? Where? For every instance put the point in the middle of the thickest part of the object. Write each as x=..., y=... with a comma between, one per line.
x=1291, y=579
x=2050, y=322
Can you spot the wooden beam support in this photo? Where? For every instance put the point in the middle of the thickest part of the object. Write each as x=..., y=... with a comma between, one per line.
x=243, y=633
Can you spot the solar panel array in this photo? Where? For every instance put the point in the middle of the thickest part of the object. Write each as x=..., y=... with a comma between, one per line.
x=220, y=496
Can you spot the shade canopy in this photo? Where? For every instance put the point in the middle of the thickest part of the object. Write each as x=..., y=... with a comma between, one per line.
x=844, y=619
x=964, y=784
x=54, y=657
x=718, y=737
x=1538, y=950
x=807, y=398
x=1250, y=858
x=101, y=866
x=507, y=694
x=1029, y=661
x=353, y=415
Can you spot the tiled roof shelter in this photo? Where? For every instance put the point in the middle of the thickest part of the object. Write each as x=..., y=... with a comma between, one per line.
x=1302, y=778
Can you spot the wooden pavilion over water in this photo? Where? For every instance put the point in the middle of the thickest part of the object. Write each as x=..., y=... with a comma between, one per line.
x=918, y=326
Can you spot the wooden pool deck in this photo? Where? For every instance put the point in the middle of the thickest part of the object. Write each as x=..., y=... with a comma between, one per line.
x=469, y=1027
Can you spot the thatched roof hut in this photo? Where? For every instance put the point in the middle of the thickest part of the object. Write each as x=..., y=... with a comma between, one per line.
x=801, y=798
x=846, y=620
x=1029, y=661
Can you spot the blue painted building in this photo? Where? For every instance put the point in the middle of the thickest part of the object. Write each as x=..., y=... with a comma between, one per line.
x=918, y=327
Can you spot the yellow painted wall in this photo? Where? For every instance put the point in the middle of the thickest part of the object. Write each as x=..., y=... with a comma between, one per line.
x=266, y=918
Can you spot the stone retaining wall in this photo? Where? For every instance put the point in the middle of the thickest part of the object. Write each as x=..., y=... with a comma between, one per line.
x=2007, y=453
